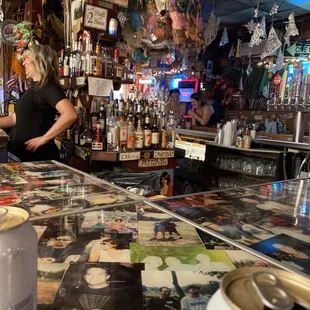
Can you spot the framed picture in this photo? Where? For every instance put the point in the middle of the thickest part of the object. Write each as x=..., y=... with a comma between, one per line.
x=95, y=17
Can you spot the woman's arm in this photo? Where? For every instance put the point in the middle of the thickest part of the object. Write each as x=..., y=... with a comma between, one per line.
x=206, y=115
x=67, y=117
x=8, y=121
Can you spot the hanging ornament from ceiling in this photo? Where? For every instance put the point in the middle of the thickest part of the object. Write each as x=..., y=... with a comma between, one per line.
x=211, y=30
x=256, y=11
x=272, y=44
x=224, y=39
x=1, y=12
x=250, y=26
x=263, y=28
x=274, y=9
x=279, y=65
x=291, y=29
x=249, y=69
x=232, y=51
x=256, y=36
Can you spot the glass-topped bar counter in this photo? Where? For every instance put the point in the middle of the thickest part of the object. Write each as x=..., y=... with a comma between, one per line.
x=102, y=247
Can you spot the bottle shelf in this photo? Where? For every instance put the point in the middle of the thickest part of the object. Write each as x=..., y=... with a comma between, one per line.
x=80, y=81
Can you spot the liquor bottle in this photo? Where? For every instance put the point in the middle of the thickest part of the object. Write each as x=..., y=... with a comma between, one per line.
x=131, y=135
x=139, y=136
x=139, y=114
x=99, y=60
x=163, y=132
x=123, y=129
x=97, y=142
x=93, y=116
x=147, y=133
x=171, y=133
x=67, y=61
x=102, y=117
x=247, y=139
x=113, y=142
x=88, y=56
x=155, y=134
x=86, y=136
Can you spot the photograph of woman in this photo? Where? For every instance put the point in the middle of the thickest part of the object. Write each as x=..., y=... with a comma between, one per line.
x=33, y=123
x=166, y=189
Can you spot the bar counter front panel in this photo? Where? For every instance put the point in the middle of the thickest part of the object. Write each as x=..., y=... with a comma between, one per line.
x=101, y=247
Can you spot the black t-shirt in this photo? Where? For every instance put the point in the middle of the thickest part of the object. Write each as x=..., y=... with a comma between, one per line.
x=159, y=304
x=35, y=115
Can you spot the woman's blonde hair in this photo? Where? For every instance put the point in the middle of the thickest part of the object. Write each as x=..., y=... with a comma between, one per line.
x=46, y=62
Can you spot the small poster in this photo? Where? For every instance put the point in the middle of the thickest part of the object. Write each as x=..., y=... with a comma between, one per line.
x=99, y=87
x=95, y=17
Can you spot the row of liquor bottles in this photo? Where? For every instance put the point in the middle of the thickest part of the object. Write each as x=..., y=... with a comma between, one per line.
x=124, y=127
x=87, y=58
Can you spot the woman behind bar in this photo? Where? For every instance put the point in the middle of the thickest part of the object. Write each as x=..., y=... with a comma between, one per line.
x=175, y=105
x=34, y=126
x=202, y=112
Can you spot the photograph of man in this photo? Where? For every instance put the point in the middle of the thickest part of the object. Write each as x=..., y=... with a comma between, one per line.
x=194, y=300
x=163, y=301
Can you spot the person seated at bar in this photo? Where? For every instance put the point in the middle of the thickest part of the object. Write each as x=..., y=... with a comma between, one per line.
x=175, y=105
x=202, y=113
x=34, y=126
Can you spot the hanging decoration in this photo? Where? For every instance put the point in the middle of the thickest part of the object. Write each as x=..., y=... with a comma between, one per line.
x=250, y=26
x=212, y=28
x=256, y=36
x=263, y=28
x=291, y=29
x=122, y=17
x=232, y=52
x=274, y=9
x=1, y=12
x=224, y=39
x=249, y=69
x=238, y=48
x=279, y=65
x=272, y=44
x=256, y=11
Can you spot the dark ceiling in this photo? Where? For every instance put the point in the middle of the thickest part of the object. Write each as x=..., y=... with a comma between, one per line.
x=242, y=11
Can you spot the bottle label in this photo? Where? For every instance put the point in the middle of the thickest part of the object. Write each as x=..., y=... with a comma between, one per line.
x=113, y=131
x=97, y=146
x=94, y=121
x=82, y=141
x=109, y=138
x=139, y=140
x=131, y=141
x=102, y=127
x=123, y=135
x=155, y=137
x=147, y=137
x=164, y=139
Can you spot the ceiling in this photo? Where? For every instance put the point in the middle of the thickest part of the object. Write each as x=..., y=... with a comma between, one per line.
x=242, y=11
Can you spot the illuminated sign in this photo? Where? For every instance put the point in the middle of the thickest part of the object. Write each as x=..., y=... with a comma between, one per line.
x=175, y=81
x=148, y=80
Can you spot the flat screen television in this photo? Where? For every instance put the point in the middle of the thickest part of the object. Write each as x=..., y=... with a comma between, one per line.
x=185, y=94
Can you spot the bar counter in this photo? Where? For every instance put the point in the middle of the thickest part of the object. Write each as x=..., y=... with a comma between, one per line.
x=91, y=232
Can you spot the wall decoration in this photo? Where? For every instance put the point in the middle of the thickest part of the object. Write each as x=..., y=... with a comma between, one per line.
x=95, y=17
x=224, y=39
x=291, y=29
x=272, y=44
x=250, y=26
x=211, y=30
x=7, y=31
x=274, y=10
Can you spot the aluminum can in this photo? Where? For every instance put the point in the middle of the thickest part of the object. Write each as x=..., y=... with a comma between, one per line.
x=113, y=27
x=261, y=288
x=18, y=260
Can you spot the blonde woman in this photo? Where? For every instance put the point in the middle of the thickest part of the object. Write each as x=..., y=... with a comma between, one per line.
x=34, y=126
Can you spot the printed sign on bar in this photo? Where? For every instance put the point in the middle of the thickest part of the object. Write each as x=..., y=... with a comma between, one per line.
x=129, y=156
x=163, y=154
x=152, y=162
x=95, y=17
x=99, y=87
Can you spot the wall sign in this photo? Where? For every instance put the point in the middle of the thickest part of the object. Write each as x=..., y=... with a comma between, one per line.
x=95, y=17
x=129, y=156
x=99, y=87
x=298, y=49
x=7, y=31
x=153, y=162
x=163, y=154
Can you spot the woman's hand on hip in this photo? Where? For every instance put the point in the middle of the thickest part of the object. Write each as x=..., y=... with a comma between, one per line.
x=33, y=144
